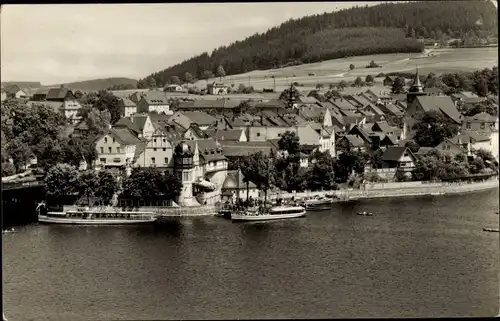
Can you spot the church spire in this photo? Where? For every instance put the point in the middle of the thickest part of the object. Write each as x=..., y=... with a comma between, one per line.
x=417, y=85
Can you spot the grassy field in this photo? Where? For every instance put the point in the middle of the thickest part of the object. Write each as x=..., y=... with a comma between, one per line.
x=437, y=61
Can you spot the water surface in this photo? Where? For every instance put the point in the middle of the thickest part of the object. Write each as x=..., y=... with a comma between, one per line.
x=416, y=257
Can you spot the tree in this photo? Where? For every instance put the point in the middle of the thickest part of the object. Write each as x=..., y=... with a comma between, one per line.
x=107, y=186
x=319, y=86
x=258, y=169
x=358, y=82
x=78, y=94
x=321, y=175
x=188, y=78
x=62, y=180
x=150, y=183
x=433, y=128
x=207, y=74
x=348, y=161
x=369, y=79
x=285, y=94
x=87, y=184
x=481, y=87
x=221, y=72
x=351, y=67
x=482, y=107
x=289, y=141
x=372, y=64
x=8, y=169
x=109, y=102
x=412, y=146
x=150, y=83
x=89, y=98
x=175, y=80
x=342, y=85
x=376, y=158
x=98, y=122
x=398, y=85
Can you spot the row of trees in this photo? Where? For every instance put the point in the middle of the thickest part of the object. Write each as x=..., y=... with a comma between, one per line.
x=148, y=184
x=356, y=31
x=482, y=82
x=42, y=132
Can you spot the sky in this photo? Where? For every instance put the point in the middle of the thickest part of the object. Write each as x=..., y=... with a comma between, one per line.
x=64, y=43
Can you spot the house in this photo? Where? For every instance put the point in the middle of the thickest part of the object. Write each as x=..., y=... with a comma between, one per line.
x=389, y=80
x=235, y=150
x=127, y=107
x=422, y=104
x=216, y=89
x=235, y=187
x=203, y=169
x=202, y=119
x=472, y=141
x=448, y=146
x=399, y=158
x=391, y=110
x=480, y=122
x=194, y=132
x=70, y=108
x=40, y=94
x=60, y=94
x=141, y=124
x=219, y=106
x=14, y=91
x=306, y=101
x=158, y=150
x=154, y=102
x=371, y=96
x=349, y=142
x=433, y=91
x=275, y=105
x=237, y=135
x=342, y=104
x=174, y=88
x=119, y=148
x=467, y=97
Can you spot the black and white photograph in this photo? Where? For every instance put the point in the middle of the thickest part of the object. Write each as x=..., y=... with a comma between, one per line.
x=254, y=160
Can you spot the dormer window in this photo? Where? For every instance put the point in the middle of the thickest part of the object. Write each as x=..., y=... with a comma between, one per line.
x=105, y=139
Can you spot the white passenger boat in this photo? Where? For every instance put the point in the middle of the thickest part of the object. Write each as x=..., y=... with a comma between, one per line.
x=274, y=213
x=97, y=217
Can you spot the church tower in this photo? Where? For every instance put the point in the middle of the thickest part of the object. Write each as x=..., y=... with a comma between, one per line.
x=184, y=167
x=416, y=89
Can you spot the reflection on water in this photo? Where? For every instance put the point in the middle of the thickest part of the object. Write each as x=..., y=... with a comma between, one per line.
x=418, y=257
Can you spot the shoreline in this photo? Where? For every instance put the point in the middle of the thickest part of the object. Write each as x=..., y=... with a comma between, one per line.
x=439, y=189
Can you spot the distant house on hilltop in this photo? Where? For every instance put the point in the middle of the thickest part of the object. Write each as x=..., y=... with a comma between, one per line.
x=216, y=89
x=174, y=88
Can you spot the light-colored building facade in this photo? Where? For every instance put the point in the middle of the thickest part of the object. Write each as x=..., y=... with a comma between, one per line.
x=117, y=148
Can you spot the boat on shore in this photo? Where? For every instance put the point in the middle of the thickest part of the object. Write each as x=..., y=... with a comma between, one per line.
x=273, y=213
x=89, y=217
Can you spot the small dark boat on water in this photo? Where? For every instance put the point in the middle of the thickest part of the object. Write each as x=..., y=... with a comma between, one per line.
x=487, y=229
x=365, y=213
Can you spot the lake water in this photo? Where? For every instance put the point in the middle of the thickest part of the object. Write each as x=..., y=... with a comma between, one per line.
x=415, y=257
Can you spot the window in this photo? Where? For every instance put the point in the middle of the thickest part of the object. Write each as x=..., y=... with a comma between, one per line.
x=258, y=134
x=118, y=150
x=109, y=149
x=448, y=147
x=163, y=139
x=164, y=149
x=153, y=161
x=154, y=149
x=166, y=160
x=105, y=139
x=114, y=140
x=102, y=160
x=468, y=125
x=154, y=140
x=102, y=150
x=482, y=125
x=185, y=176
x=279, y=135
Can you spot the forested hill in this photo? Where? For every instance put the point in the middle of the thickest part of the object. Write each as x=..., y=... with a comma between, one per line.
x=384, y=28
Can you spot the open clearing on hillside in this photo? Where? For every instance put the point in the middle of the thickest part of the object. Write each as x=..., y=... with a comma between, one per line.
x=333, y=71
